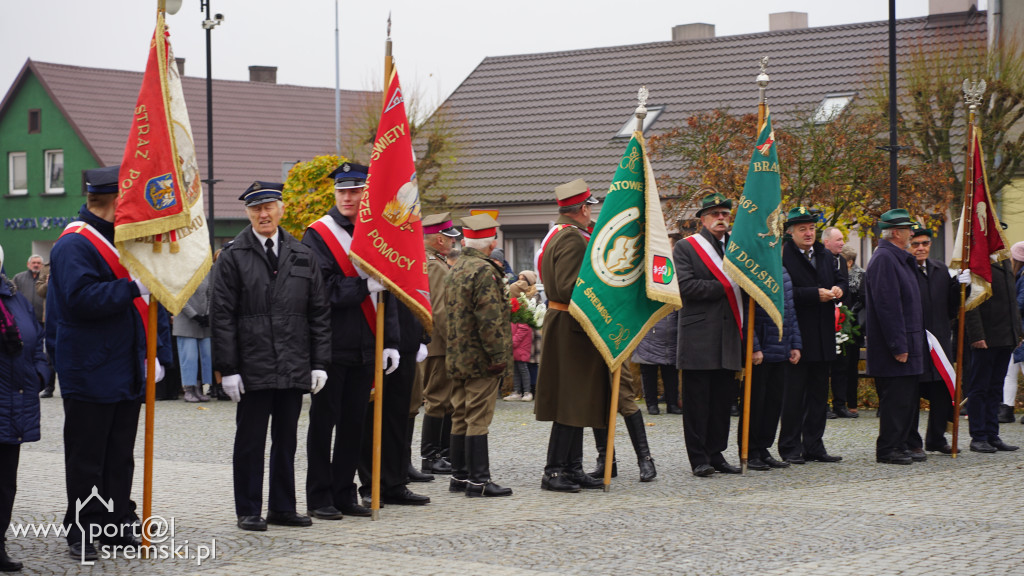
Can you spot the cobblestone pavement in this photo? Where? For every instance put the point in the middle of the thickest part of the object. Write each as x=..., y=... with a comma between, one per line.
x=944, y=516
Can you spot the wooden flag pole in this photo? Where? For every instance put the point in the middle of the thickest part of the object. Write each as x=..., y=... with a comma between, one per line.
x=609, y=454
x=378, y=408
x=147, y=474
x=972, y=94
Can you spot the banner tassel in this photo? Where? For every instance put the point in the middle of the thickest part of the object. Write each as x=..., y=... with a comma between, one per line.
x=157, y=243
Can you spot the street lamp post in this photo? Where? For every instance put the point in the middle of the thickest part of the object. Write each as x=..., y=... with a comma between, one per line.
x=208, y=25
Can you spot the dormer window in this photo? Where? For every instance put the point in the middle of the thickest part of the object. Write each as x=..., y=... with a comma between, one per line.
x=831, y=107
x=627, y=129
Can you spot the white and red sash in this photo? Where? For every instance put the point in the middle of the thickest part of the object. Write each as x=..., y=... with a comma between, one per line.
x=713, y=261
x=339, y=241
x=547, y=238
x=942, y=365
x=112, y=257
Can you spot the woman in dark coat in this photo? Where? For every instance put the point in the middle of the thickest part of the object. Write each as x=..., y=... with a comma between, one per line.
x=23, y=372
x=657, y=352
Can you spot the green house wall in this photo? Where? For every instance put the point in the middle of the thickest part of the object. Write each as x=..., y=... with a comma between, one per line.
x=37, y=216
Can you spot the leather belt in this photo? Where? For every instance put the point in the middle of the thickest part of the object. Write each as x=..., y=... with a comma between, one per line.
x=558, y=306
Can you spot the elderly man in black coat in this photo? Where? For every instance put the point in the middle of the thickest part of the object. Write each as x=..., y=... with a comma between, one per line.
x=817, y=285
x=940, y=302
x=895, y=335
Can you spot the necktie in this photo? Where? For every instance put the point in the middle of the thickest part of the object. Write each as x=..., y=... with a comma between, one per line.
x=923, y=268
x=270, y=254
x=809, y=255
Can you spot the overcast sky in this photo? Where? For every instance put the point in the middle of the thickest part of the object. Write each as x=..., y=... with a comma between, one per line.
x=436, y=43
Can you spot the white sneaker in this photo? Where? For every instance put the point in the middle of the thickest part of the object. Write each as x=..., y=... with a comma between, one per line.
x=527, y=397
x=513, y=397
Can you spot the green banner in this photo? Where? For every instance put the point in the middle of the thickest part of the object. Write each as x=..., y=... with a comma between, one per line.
x=627, y=281
x=753, y=258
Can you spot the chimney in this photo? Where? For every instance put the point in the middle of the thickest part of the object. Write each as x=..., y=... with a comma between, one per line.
x=266, y=74
x=695, y=31
x=780, y=21
x=181, y=66
x=950, y=6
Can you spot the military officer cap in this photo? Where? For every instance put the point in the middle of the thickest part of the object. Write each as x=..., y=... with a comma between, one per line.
x=573, y=193
x=799, y=215
x=713, y=200
x=102, y=180
x=440, y=224
x=920, y=230
x=261, y=192
x=480, y=226
x=349, y=175
x=895, y=218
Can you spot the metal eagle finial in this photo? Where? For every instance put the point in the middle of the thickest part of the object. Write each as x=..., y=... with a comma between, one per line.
x=973, y=91
x=762, y=78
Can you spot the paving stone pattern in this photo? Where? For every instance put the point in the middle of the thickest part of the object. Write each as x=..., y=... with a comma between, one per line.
x=943, y=516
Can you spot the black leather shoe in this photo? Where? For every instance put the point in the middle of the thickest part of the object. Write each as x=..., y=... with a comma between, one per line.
x=46, y=393
x=771, y=461
x=487, y=489
x=917, y=455
x=795, y=460
x=8, y=564
x=254, y=523
x=326, y=513
x=673, y=409
x=75, y=550
x=830, y=415
x=944, y=449
x=415, y=475
x=585, y=480
x=844, y=412
x=456, y=485
x=758, y=464
x=703, y=470
x=998, y=444
x=983, y=447
x=436, y=465
x=725, y=468
x=288, y=519
x=894, y=458
x=403, y=497
x=826, y=457
x=653, y=410
x=558, y=482
x=356, y=510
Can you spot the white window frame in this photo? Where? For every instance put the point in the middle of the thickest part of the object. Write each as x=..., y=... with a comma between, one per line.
x=832, y=105
x=652, y=114
x=48, y=154
x=11, y=157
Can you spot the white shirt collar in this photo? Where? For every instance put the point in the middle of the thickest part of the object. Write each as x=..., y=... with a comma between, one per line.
x=263, y=240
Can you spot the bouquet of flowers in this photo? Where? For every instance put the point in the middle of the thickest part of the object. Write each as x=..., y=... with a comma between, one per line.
x=526, y=311
x=846, y=328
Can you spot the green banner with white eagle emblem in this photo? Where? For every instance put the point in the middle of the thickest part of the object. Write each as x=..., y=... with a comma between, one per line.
x=753, y=259
x=627, y=281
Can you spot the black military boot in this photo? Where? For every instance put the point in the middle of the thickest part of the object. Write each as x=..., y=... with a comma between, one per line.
x=576, y=473
x=430, y=447
x=412, y=473
x=638, y=434
x=7, y=564
x=601, y=439
x=556, y=471
x=460, y=474
x=479, y=466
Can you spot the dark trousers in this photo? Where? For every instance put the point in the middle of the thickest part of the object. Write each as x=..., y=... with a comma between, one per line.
x=837, y=380
x=281, y=408
x=707, y=395
x=99, y=445
x=341, y=408
x=804, y=404
x=670, y=378
x=986, y=374
x=9, y=455
x=394, y=458
x=940, y=411
x=767, y=385
x=852, y=362
x=898, y=403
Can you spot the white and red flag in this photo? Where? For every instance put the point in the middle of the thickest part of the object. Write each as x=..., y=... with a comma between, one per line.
x=160, y=228
x=387, y=242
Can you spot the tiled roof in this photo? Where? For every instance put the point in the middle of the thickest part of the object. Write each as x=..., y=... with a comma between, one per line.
x=256, y=125
x=530, y=122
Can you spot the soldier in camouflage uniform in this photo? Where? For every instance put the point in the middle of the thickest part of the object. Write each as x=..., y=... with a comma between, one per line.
x=479, y=354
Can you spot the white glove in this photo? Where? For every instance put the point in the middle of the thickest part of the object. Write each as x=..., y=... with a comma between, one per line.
x=319, y=379
x=421, y=354
x=143, y=291
x=374, y=286
x=233, y=387
x=964, y=277
x=390, y=360
x=160, y=372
